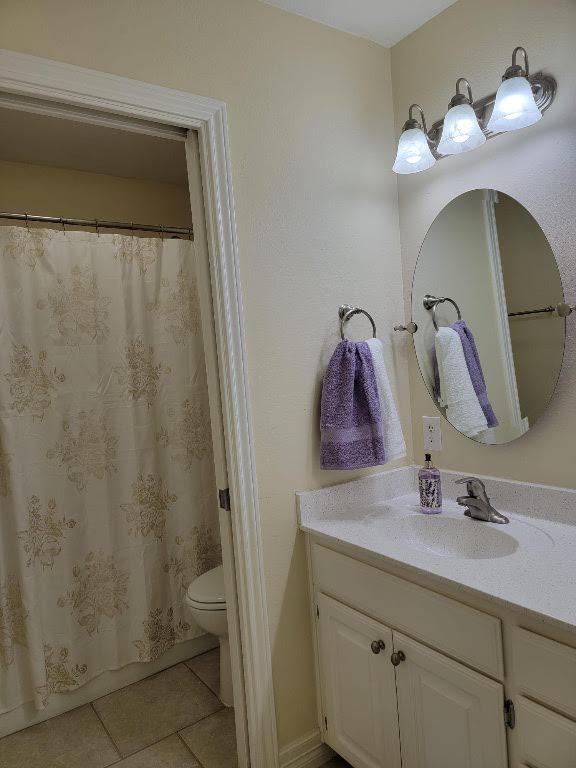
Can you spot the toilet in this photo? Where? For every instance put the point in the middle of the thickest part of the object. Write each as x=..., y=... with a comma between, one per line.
x=206, y=599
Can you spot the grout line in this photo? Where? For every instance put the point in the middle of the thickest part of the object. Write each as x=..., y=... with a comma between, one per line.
x=142, y=679
x=158, y=741
x=178, y=733
x=116, y=748
x=197, y=675
x=166, y=736
x=223, y=706
x=203, y=718
x=107, y=733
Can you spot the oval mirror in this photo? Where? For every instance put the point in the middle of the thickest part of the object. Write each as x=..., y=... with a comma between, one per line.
x=493, y=372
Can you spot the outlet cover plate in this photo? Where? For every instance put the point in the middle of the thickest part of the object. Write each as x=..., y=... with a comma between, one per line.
x=432, y=433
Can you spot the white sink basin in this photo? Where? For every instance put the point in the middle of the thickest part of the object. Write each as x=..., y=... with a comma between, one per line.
x=527, y=564
x=460, y=537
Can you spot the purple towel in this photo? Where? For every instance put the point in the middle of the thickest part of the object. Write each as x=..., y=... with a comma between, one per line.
x=474, y=369
x=351, y=419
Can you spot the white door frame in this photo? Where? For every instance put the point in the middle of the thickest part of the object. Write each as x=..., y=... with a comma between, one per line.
x=490, y=201
x=85, y=89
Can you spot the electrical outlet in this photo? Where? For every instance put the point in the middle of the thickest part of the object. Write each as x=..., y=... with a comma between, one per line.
x=432, y=433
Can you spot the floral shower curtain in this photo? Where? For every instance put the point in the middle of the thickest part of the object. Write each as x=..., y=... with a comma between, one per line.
x=107, y=488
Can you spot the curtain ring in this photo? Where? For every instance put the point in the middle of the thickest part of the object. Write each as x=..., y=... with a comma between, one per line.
x=62, y=224
x=162, y=231
x=27, y=222
x=132, y=229
x=97, y=228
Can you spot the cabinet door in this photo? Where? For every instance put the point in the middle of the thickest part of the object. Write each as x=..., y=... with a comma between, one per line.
x=450, y=716
x=544, y=738
x=358, y=687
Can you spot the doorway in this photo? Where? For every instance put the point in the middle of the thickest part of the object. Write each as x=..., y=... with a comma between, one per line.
x=139, y=291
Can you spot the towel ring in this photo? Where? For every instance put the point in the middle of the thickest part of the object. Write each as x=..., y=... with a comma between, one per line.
x=346, y=312
x=431, y=303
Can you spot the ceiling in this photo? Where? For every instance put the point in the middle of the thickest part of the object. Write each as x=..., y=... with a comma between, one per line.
x=26, y=137
x=383, y=21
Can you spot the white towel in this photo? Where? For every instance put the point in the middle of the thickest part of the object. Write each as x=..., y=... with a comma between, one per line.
x=394, y=445
x=463, y=410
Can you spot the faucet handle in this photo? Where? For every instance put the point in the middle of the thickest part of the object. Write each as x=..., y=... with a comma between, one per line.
x=474, y=486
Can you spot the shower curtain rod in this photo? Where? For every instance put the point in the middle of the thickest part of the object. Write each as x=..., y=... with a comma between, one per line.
x=100, y=224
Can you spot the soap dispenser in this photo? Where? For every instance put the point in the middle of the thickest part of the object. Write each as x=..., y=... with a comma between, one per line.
x=430, y=487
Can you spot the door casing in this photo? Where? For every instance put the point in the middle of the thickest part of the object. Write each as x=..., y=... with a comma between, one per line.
x=51, y=87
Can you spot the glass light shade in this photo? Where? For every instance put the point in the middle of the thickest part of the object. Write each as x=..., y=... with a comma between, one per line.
x=413, y=154
x=515, y=106
x=461, y=131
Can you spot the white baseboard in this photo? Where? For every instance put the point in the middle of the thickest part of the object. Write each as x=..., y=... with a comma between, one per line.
x=307, y=752
x=26, y=715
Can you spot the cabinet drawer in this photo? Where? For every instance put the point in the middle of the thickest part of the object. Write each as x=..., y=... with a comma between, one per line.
x=460, y=631
x=545, y=670
x=545, y=739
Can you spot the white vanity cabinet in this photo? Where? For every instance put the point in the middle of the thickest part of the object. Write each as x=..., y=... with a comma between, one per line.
x=380, y=688
x=358, y=686
x=545, y=672
x=384, y=693
x=484, y=633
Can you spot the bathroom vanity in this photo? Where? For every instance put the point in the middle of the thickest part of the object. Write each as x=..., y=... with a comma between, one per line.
x=441, y=641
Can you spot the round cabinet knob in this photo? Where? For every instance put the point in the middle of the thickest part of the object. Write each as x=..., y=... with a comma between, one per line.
x=397, y=657
x=377, y=646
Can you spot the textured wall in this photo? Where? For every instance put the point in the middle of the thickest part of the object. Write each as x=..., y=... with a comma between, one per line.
x=311, y=137
x=537, y=166
x=50, y=191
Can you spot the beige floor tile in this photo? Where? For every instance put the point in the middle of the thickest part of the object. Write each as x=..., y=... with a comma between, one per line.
x=169, y=753
x=213, y=740
x=207, y=667
x=145, y=712
x=73, y=740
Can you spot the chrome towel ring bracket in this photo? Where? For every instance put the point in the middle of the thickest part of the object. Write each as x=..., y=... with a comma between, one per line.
x=411, y=327
x=432, y=302
x=346, y=312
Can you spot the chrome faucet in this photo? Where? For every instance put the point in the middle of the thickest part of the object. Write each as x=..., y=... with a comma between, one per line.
x=478, y=503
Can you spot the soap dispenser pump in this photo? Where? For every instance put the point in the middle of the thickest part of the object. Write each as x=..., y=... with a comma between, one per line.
x=430, y=487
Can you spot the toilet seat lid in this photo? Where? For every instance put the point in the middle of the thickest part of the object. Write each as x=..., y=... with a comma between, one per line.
x=208, y=589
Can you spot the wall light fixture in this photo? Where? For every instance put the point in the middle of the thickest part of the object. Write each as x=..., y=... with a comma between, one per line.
x=515, y=105
x=461, y=130
x=414, y=153
x=520, y=101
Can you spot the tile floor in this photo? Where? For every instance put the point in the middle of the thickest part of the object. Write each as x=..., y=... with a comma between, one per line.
x=170, y=720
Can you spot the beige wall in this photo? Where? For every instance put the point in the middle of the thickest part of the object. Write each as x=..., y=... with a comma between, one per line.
x=312, y=140
x=48, y=191
x=537, y=166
